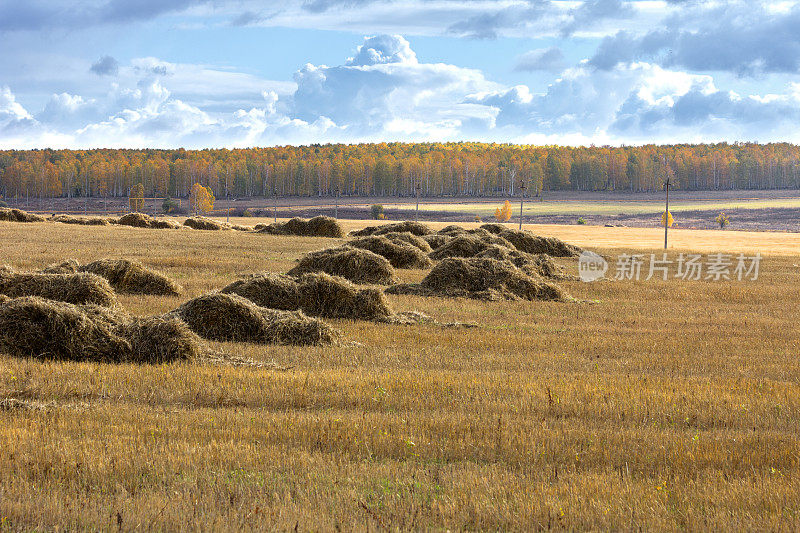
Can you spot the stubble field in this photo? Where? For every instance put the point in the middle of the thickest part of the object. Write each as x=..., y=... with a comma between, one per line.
x=652, y=405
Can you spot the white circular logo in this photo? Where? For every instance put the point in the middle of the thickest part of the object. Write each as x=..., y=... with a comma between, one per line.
x=591, y=266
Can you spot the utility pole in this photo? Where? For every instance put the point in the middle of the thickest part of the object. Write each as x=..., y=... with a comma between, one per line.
x=666, y=214
x=275, y=200
x=417, y=189
x=227, y=202
x=522, y=188
x=336, y=214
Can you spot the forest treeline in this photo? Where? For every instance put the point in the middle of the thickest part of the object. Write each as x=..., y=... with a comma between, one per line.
x=397, y=169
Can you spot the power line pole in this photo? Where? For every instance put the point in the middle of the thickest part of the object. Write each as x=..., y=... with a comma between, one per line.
x=666, y=214
x=337, y=202
x=417, y=189
x=522, y=188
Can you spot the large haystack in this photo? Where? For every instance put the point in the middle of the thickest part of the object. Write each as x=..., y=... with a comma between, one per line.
x=533, y=264
x=132, y=277
x=69, y=266
x=416, y=228
x=469, y=244
x=320, y=226
x=274, y=291
x=204, y=223
x=8, y=214
x=526, y=241
x=400, y=254
x=79, y=288
x=46, y=329
x=409, y=238
x=136, y=220
x=230, y=317
x=81, y=221
x=354, y=264
x=483, y=279
x=316, y=294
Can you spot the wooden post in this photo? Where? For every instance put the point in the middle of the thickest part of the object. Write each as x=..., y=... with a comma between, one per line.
x=417, y=188
x=666, y=215
x=275, y=200
x=337, y=202
x=521, y=200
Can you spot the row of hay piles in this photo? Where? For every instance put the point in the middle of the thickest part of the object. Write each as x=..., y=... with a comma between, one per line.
x=526, y=241
x=132, y=277
x=230, y=317
x=47, y=329
x=82, y=221
x=483, y=279
x=416, y=228
x=354, y=264
x=9, y=214
x=140, y=220
x=320, y=226
x=316, y=294
x=399, y=253
x=409, y=238
x=75, y=288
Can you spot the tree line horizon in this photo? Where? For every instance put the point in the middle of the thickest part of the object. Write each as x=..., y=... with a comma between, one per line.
x=398, y=169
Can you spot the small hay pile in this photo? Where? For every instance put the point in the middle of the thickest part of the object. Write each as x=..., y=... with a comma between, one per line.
x=238, y=227
x=81, y=221
x=354, y=264
x=452, y=230
x=8, y=214
x=437, y=240
x=469, y=245
x=230, y=317
x=75, y=288
x=533, y=264
x=46, y=329
x=399, y=253
x=482, y=279
x=70, y=266
x=204, y=223
x=526, y=241
x=316, y=294
x=415, y=228
x=493, y=228
x=409, y=238
x=320, y=226
x=140, y=220
x=132, y=277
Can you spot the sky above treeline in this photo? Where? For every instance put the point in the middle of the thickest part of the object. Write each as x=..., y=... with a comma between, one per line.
x=240, y=73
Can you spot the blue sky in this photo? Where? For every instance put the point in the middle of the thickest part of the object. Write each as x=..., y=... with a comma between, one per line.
x=237, y=73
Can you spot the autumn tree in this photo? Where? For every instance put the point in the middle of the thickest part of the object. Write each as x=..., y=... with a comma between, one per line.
x=201, y=199
x=503, y=214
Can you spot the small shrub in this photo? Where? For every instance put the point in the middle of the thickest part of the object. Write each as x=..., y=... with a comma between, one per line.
x=666, y=218
x=723, y=220
x=581, y=221
x=377, y=211
x=503, y=214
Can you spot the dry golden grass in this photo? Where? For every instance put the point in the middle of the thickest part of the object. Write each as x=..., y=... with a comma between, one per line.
x=665, y=406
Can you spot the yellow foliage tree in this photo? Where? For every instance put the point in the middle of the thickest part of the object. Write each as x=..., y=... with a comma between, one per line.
x=503, y=214
x=201, y=199
x=136, y=199
x=666, y=218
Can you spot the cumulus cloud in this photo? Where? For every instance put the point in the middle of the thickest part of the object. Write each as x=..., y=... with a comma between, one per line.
x=105, y=66
x=544, y=59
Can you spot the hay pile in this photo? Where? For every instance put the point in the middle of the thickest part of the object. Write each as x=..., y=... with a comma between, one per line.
x=399, y=253
x=8, y=214
x=46, y=329
x=204, y=223
x=482, y=279
x=409, y=238
x=436, y=240
x=416, y=228
x=82, y=221
x=70, y=266
x=75, y=288
x=140, y=220
x=229, y=317
x=465, y=245
x=526, y=241
x=493, y=228
x=132, y=277
x=320, y=226
x=316, y=294
x=532, y=264
x=354, y=264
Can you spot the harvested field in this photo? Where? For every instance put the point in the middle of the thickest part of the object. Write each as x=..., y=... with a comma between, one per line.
x=320, y=226
x=132, y=277
x=399, y=253
x=74, y=288
x=47, y=329
x=415, y=228
x=353, y=264
x=8, y=214
x=481, y=279
x=229, y=317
